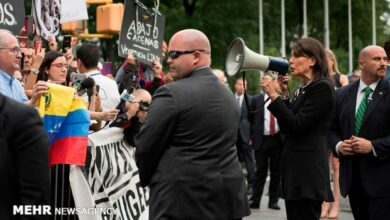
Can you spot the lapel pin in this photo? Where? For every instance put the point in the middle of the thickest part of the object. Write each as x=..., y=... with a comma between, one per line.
x=380, y=93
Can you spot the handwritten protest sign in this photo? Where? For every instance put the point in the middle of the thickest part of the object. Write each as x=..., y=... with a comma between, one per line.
x=73, y=10
x=142, y=32
x=110, y=179
x=12, y=15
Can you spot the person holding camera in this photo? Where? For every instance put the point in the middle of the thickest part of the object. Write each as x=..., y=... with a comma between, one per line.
x=136, y=112
x=305, y=122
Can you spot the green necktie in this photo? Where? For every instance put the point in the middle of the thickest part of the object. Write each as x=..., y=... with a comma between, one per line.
x=362, y=108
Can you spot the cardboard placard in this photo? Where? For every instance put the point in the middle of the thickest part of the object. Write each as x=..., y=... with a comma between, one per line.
x=142, y=33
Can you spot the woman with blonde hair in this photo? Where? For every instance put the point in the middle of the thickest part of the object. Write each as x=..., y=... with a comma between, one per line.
x=331, y=210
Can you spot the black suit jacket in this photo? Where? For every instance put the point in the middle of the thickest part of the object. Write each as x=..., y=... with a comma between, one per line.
x=24, y=168
x=305, y=124
x=257, y=120
x=186, y=151
x=375, y=127
x=244, y=127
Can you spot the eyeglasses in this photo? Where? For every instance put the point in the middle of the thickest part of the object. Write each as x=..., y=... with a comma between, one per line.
x=15, y=50
x=177, y=53
x=60, y=65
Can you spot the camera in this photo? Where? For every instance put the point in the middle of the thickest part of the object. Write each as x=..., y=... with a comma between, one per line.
x=120, y=121
x=77, y=79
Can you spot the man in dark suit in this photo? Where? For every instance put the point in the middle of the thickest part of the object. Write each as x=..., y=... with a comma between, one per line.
x=24, y=168
x=360, y=136
x=243, y=135
x=186, y=149
x=267, y=143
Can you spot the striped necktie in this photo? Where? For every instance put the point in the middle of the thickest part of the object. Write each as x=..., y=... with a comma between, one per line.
x=362, y=108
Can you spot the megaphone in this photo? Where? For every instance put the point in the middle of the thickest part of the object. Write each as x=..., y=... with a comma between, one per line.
x=240, y=58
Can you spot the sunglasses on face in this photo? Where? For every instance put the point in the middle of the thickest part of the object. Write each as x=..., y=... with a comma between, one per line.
x=143, y=106
x=177, y=53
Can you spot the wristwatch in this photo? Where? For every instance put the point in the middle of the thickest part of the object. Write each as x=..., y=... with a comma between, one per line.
x=34, y=70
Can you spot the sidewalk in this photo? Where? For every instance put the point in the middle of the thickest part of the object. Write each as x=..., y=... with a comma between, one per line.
x=264, y=213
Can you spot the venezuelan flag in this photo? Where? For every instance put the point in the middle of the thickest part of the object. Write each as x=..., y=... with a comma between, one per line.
x=66, y=121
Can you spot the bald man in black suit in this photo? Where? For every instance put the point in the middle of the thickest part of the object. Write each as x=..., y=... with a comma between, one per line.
x=364, y=150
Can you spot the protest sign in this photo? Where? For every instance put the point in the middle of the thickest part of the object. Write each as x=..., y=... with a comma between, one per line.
x=142, y=32
x=12, y=15
x=73, y=10
x=46, y=14
x=112, y=177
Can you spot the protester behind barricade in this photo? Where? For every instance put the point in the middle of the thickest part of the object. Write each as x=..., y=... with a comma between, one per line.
x=52, y=43
x=10, y=56
x=168, y=78
x=31, y=68
x=150, y=77
x=54, y=69
x=87, y=62
x=137, y=110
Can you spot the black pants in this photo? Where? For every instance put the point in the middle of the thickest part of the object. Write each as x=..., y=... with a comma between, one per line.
x=303, y=209
x=365, y=207
x=246, y=153
x=268, y=153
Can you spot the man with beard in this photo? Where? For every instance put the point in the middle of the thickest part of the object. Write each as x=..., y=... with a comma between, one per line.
x=360, y=137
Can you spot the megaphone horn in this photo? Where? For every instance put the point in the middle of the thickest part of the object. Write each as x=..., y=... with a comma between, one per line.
x=240, y=58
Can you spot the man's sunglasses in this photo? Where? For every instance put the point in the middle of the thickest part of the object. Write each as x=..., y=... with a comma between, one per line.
x=177, y=53
x=143, y=106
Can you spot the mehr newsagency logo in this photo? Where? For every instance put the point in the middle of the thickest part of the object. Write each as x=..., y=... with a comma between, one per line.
x=47, y=210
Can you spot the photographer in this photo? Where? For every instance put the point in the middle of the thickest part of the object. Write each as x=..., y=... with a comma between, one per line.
x=136, y=112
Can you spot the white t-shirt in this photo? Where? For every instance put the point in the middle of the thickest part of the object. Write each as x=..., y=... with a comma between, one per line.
x=109, y=94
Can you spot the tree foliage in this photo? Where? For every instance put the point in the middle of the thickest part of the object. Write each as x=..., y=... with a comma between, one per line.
x=223, y=21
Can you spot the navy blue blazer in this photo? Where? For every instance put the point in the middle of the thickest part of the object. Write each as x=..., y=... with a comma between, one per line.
x=375, y=127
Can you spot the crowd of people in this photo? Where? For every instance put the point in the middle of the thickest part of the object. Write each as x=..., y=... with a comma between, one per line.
x=191, y=132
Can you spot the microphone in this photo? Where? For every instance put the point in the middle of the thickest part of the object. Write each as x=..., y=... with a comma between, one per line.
x=86, y=85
